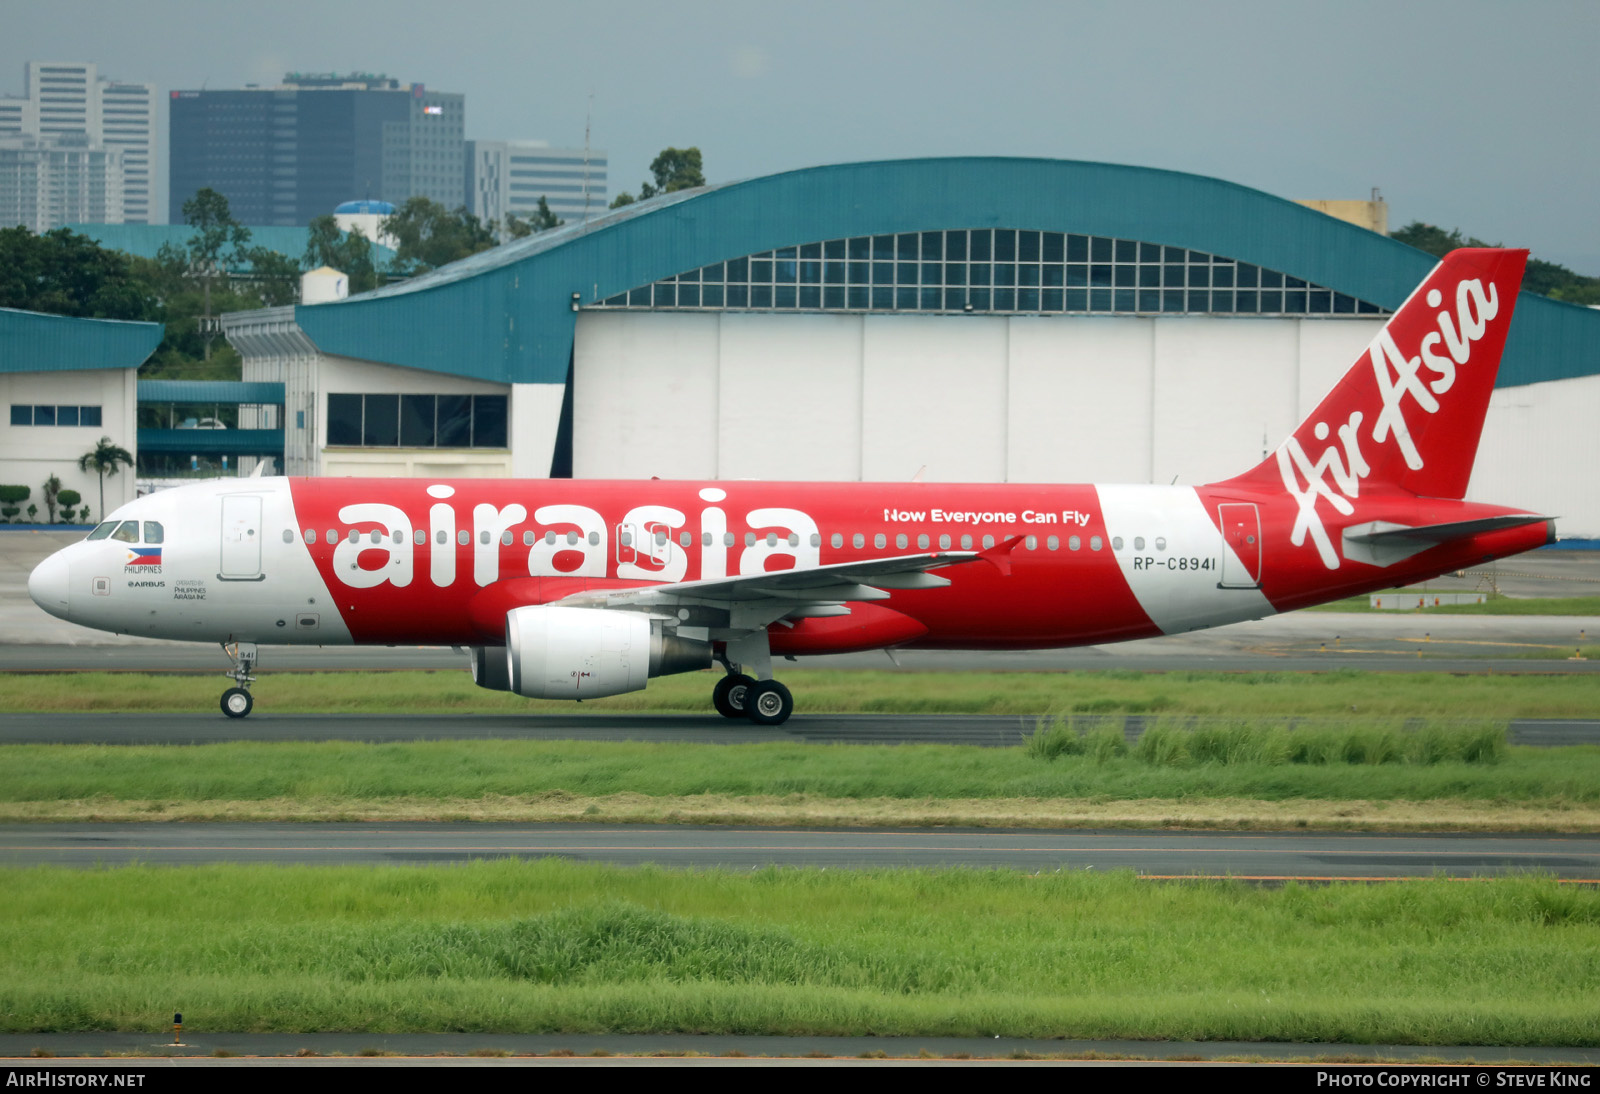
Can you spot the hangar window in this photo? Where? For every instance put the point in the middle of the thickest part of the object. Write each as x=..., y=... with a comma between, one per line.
x=376, y=420
x=28, y=414
x=991, y=270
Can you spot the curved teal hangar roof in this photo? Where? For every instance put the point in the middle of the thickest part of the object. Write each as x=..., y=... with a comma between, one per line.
x=34, y=342
x=507, y=314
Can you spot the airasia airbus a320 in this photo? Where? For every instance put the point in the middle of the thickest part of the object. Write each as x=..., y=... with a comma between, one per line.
x=573, y=589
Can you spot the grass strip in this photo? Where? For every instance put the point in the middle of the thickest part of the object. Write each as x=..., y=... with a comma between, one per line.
x=812, y=811
x=554, y=946
x=1028, y=694
x=778, y=784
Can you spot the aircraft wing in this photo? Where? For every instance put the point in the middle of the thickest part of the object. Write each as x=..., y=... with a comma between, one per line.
x=868, y=579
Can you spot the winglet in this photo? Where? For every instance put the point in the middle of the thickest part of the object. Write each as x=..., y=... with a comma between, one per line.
x=999, y=556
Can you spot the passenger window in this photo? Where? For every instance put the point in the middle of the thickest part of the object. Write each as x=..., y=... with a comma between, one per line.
x=464, y=537
x=838, y=539
x=333, y=535
x=153, y=532
x=441, y=538
x=858, y=540
x=104, y=530
x=1054, y=543
x=901, y=542
x=794, y=539
x=627, y=539
x=419, y=537
x=1138, y=543
x=988, y=542
x=1074, y=544
x=1161, y=543
x=661, y=537
x=288, y=536
x=816, y=539
x=1094, y=543
x=311, y=535
x=527, y=539
x=727, y=539
x=505, y=538
x=549, y=539
x=749, y=539
x=483, y=536
x=594, y=539
x=944, y=542
x=572, y=539
x=705, y=539
x=354, y=535
x=772, y=539
x=880, y=541
x=127, y=532
x=1116, y=543
x=376, y=536
x=966, y=543
x=922, y=541
x=1031, y=543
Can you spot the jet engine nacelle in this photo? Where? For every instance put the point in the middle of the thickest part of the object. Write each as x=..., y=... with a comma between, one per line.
x=586, y=653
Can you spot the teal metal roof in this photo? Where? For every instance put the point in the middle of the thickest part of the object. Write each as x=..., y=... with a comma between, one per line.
x=145, y=240
x=213, y=442
x=210, y=391
x=32, y=342
x=507, y=314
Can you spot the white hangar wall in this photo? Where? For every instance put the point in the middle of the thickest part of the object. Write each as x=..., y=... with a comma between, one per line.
x=970, y=398
x=1012, y=399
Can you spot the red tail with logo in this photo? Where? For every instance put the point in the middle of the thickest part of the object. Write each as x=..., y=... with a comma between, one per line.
x=1410, y=411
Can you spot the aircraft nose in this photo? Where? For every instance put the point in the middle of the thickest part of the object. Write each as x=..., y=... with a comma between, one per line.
x=48, y=585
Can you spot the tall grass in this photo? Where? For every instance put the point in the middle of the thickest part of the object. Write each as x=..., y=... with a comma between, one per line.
x=1184, y=742
x=557, y=946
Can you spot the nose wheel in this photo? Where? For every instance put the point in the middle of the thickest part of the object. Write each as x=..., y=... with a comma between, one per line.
x=236, y=701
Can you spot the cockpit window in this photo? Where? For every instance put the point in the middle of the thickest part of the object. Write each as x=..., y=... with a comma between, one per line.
x=104, y=530
x=152, y=531
x=127, y=532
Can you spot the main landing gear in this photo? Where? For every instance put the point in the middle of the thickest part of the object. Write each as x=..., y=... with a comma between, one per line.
x=764, y=701
x=236, y=701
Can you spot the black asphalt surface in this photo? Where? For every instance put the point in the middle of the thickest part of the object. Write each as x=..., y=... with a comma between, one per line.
x=947, y=729
x=1154, y=854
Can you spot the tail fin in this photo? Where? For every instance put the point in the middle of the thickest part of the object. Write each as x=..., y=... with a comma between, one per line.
x=1410, y=411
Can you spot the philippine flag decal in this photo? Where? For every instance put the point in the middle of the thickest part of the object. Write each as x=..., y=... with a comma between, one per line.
x=143, y=556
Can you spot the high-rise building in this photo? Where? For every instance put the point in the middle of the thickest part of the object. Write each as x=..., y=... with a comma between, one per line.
x=287, y=154
x=68, y=119
x=511, y=176
x=45, y=183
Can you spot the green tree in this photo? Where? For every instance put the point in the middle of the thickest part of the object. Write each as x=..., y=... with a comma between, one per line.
x=542, y=220
x=1545, y=278
x=219, y=241
x=348, y=252
x=63, y=273
x=673, y=169
x=428, y=235
x=103, y=460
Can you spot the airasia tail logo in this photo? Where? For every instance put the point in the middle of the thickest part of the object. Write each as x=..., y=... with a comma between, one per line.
x=1335, y=476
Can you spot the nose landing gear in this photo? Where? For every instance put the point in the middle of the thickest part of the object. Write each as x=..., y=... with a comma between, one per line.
x=236, y=701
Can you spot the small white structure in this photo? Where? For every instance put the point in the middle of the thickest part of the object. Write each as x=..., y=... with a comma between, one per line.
x=323, y=284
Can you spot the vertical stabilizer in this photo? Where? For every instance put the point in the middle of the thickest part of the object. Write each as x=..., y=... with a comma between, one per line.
x=1410, y=410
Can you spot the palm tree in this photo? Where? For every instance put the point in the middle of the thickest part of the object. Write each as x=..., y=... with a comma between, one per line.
x=103, y=461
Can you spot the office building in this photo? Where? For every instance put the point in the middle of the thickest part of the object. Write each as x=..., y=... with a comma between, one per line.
x=511, y=176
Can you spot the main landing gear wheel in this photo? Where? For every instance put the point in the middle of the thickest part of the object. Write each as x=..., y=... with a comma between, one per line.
x=729, y=695
x=236, y=702
x=769, y=703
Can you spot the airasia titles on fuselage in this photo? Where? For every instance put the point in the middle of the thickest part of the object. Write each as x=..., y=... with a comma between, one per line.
x=445, y=544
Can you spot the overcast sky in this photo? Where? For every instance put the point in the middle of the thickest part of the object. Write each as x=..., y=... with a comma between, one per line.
x=1470, y=113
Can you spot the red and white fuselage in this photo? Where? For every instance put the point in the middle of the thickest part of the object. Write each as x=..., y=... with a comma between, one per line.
x=1365, y=495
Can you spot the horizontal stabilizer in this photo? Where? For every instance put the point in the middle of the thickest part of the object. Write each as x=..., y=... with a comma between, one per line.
x=1381, y=543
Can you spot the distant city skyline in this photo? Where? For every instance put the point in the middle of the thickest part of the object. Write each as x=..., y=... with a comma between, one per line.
x=1472, y=114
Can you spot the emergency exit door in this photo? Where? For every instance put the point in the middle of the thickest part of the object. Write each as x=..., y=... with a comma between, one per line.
x=1241, y=538
x=241, y=538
